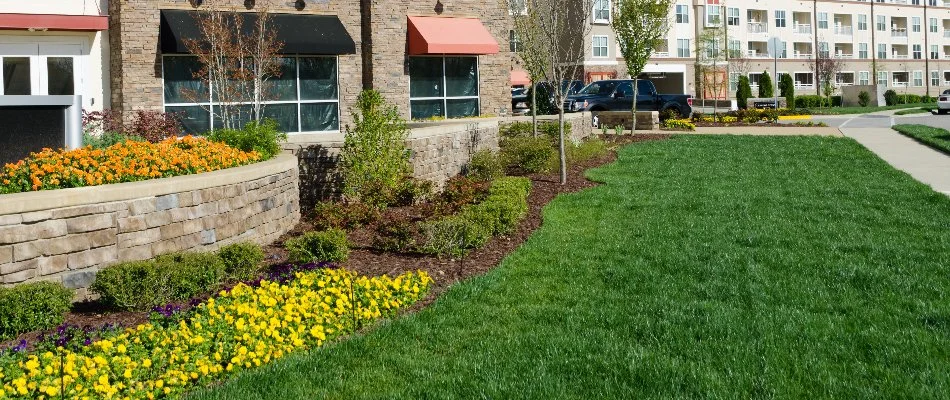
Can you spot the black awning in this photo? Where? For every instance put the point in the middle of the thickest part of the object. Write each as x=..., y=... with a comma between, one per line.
x=300, y=34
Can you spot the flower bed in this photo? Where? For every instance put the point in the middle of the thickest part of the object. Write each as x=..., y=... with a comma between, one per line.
x=123, y=162
x=245, y=327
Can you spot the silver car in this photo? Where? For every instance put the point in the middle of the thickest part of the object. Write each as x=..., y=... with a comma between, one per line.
x=943, y=102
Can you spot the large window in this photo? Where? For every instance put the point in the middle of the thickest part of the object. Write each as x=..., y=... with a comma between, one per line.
x=682, y=14
x=602, y=10
x=304, y=98
x=600, y=46
x=443, y=87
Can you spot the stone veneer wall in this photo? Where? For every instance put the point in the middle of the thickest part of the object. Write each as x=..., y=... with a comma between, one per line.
x=439, y=151
x=67, y=235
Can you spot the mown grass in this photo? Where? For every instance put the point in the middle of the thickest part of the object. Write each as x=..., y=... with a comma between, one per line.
x=909, y=111
x=935, y=138
x=705, y=267
x=865, y=110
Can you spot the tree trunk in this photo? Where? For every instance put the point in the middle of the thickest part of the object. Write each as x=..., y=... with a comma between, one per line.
x=534, y=108
x=563, y=155
x=636, y=94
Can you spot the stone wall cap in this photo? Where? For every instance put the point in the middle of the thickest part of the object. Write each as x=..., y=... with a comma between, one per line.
x=61, y=198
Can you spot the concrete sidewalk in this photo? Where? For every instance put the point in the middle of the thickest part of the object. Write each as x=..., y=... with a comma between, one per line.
x=921, y=162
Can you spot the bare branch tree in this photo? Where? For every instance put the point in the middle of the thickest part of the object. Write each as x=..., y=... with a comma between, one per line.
x=530, y=47
x=711, y=61
x=235, y=65
x=825, y=67
x=640, y=25
x=565, y=27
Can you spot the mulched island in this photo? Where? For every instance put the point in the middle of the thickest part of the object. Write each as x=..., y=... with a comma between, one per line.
x=370, y=262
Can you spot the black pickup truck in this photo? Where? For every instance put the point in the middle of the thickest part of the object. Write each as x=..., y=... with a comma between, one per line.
x=617, y=95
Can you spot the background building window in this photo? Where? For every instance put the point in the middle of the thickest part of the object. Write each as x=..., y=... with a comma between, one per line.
x=602, y=10
x=918, y=52
x=933, y=25
x=600, y=46
x=779, y=18
x=862, y=22
x=881, y=51
x=882, y=78
x=881, y=23
x=733, y=16
x=305, y=98
x=443, y=87
x=934, y=52
x=682, y=48
x=713, y=15
x=918, y=78
x=915, y=24
x=862, y=50
x=822, y=20
x=682, y=14
x=864, y=78
x=934, y=78
x=513, y=41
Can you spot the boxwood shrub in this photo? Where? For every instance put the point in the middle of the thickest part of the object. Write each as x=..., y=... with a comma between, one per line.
x=32, y=306
x=330, y=245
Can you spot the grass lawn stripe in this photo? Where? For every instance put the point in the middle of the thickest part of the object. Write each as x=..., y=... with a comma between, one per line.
x=704, y=267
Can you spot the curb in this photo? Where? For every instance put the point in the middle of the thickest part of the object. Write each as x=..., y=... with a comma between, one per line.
x=793, y=117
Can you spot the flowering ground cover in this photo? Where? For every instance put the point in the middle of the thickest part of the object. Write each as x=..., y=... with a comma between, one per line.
x=242, y=328
x=703, y=267
x=123, y=162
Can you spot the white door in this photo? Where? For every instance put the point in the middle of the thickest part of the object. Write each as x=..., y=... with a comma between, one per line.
x=40, y=69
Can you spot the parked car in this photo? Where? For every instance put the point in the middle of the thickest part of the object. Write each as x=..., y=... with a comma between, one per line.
x=520, y=103
x=943, y=102
x=545, y=89
x=617, y=95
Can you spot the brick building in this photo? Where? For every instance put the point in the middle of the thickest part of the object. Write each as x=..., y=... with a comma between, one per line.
x=446, y=58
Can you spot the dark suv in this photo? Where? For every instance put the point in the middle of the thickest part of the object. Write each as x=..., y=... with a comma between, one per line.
x=617, y=95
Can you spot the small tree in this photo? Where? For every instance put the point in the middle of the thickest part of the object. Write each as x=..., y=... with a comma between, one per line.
x=374, y=160
x=530, y=47
x=639, y=26
x=765, y=85
x=826, y=67
x=744, y=91
x=710, y=65
x=787, y=89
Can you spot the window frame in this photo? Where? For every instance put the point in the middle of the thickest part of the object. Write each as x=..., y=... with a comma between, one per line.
x=885, y=80
x=864, y=78
x=882, y=54
x=713, y=11
x=605, y=46
x=605, y=8
x=934, y=78
x=733, y=20
x=880, y=23
x=298, y=101
x=866, y=51
x=915, y=24
x=932, y=25
x=822, y=20
x=687, y=49
x=682, y=18
x=862, y=22
x=780, y=22
x=917, y=79
x=917, y=51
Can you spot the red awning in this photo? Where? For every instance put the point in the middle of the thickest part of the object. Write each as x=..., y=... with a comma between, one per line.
x=54, y=22
x=442, y=35
x=520, y=77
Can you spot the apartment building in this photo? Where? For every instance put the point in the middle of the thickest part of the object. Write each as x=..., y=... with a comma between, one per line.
x=901, y=44
x=55, y=47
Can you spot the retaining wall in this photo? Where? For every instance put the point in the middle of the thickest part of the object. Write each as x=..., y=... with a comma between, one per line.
x=67, y=235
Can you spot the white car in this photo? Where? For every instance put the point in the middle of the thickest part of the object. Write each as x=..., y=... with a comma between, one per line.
x=943, y=102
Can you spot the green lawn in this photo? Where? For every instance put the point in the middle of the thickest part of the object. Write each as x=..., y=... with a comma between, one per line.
x=705, y=267
x=922, y=110
x=865, y=110
x=936, y=138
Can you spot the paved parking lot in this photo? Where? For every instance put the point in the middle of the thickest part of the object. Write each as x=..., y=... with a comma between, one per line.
x=883, y=120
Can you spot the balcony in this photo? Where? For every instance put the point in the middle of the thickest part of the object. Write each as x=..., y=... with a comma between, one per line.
x=896, y=56
x=899, y=84
x=946, y=33
x=758, y=27
x=758, y=54
x=899, y=32
x=802, y=28
x=661, y=54
x=803, y=56
x=843, y=30
x=844, y=55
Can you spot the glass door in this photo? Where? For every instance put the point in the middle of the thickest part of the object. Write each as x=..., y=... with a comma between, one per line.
x=39, y=69
x=59, y=69
x=20, y=74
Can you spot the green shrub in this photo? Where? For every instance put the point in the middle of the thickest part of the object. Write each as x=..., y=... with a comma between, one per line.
x=190, y=274
x=529, y=154
x=765, y=85
x=263, y=137
x=135, y=285
x=864, y=98
x=413, y=191
x=32, y=306
x=548, y=129
x=374, y=158
x=486, y=165
x=460, y=191
x=241, y=260
x=810, y=101
x=890, y=98
x=552, y=131
x=330, y=245
x=744, y=92
x=340, y=215
x=396, y=237
x=516, y=129
x=587, y=150
x=453, y=236
x=787, y=90
x=107, y=139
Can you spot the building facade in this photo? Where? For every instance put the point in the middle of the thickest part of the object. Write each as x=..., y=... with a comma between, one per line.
x=442, y=59
x=903, y=45
x=55, y=47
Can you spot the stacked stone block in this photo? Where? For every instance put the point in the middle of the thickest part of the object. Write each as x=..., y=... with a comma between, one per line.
x=70, y=244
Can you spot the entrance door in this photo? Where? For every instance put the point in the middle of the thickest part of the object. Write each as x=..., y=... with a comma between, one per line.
x=39, y=69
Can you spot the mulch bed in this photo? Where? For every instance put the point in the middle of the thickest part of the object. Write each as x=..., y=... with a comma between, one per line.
x=367, y=261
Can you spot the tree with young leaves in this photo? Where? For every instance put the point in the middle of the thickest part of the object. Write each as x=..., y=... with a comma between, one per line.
x=563, y=27
x=640, y=25
x=711, y=63
x=530, y=47
x=235, y=62
x=826, y=67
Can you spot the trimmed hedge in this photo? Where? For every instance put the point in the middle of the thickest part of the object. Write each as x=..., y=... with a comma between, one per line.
x=32, y=306
x=330, y=245
x=475, y=224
